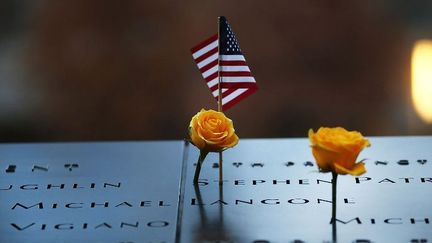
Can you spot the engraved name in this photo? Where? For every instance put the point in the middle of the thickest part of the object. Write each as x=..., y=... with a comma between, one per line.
x=304, y=181
x=78, y=205
x=85, y=226
x=60, y=186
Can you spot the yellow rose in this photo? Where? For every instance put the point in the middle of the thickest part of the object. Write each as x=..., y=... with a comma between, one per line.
x=212, y=131
x=336, y=150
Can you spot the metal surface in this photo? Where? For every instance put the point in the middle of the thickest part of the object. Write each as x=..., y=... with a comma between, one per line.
x=112, y=192
x=128, y=192
x=390, y=203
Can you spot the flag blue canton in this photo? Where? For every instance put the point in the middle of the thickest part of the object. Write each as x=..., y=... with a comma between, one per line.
x=228, y=42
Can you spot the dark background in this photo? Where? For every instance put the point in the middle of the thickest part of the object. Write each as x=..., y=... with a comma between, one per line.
x=121, y=70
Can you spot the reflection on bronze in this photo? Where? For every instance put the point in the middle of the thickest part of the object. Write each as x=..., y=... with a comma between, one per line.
x=334, y=201
x=210, y=228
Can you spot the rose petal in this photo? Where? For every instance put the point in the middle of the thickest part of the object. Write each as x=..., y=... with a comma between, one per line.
x=323, y=158
x=357, y=170
x=196, y=140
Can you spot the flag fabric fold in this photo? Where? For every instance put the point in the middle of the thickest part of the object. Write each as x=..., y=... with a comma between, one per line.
x=222, y=57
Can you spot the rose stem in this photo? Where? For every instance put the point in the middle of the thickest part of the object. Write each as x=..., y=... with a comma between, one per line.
x=201, y=158
x=334, y=187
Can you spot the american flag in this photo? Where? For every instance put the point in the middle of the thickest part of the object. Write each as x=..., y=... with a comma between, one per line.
x=237, y=81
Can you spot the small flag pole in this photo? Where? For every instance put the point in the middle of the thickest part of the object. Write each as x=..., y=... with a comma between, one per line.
x=219, y=76
x=219, y=102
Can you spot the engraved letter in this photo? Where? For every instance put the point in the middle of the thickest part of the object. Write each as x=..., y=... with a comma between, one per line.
x=390, y=220
x=4, y=189
x=19, y=228
x=64, y=226
x=29, y=187
x=157, y=224
x=265, y=201
x=128, y=224
x=93, y=204
x=254, y=182
x=275, y=182
x=103, y=225
x=343, y=222
x=319, y=200
x=298, y=201
x=364, y=178
x=11, y=169
x=40, y=167
x=386, y=180
x=112, y=185
x=23, y=206
x=413, y=221
x=70, y=205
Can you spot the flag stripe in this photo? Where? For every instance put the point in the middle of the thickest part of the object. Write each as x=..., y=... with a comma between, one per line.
x=213, y=82
x=211, y=47
x=214, y=88
x=208, y=60
x=210, y=72
x=215, y=93
x=237, y=79
x=211, y=77
x=237, y=99
x=208, y=66
x=207, y=54
x=238, y=85
x=204, y=43
x=235, y=69
x=232, y=95
x=235, y=74
x=232, y=63
x=226, y=93
x=232, y=58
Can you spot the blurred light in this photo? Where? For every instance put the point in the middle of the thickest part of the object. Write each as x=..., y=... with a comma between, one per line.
x=421, y=79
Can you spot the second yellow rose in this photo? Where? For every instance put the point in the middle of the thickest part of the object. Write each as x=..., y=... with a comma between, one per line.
x=336, y=150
